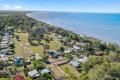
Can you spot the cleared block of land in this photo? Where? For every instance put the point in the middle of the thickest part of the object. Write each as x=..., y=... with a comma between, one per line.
x=57, y=71
x=23, y=48
x=68, y=69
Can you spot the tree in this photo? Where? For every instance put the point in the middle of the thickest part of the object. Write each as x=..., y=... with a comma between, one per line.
x=12, y=46
x=83, y=76
x=69, y=56
x=45, y=57
x=114, y=57
x=38, y=65
x=105, y=71
x=102, y=47
x=26, y=72
x=91, y=62
x=47, y=76
x=17, y=37
x=112, y=47
x=61, y=49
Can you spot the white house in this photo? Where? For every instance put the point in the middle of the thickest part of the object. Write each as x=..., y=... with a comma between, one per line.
x=4, y=46
x=4, y=57
x=46, y=71
x=82, y=59
x=75, y=63
x=75, y=48
x=37, y=56
x=67, y=50
x=33, y=73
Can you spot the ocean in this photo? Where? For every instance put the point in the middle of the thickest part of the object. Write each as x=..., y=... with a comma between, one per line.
x=103, y=26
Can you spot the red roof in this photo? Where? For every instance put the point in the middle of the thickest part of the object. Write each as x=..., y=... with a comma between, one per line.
x=18, y=77
x=99, y=53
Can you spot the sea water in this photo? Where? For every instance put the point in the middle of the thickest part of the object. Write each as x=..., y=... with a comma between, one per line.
x=103, y=26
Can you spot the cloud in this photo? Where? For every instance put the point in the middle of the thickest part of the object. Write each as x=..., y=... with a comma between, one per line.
x=7, y=6
x=17, y=7
x=12, y=7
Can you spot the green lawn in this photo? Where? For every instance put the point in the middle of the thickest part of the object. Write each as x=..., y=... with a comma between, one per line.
x=17, y=49
x=37, y=49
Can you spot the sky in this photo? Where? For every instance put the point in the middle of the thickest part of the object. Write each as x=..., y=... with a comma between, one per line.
x=62, y=5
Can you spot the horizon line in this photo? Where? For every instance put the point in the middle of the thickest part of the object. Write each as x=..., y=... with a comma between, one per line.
x=59, y=11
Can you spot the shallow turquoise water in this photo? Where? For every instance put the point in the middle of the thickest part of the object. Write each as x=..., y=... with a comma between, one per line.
x=104, y=26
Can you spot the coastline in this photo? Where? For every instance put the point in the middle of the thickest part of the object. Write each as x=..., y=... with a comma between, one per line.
x=39, y=46
x=83, y=35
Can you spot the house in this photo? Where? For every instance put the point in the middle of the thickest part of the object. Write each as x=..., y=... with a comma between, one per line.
x=75, y=63
x=11, y=41
x=19, y=77
x=28, y=61
x=45, y=71
x=60, y=37
x=4, y=57
x=4, y=73
x=53, y=54
x=33, y=73
x=99, y=53
x=4, y=46
x=67, y=43
x=9, y=28
x=6, y=34
x=5, y=38
x=39, y=31
x=11, y=36
x=82, y=59
x=67, y=50
x=73, y=49
x=5, y=42
x=76, y=48
x=18, y=61
x=83, y=44
x=11, y=44
x=32, y=57
x=5, y=51
x=35, y=56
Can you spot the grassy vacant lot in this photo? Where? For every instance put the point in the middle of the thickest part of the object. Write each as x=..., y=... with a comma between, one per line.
x=23, y=48
x=18, y=49
x=56, y=71
x=71, y=71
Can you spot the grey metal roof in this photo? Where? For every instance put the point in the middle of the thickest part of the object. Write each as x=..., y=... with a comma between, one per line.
x=74, y=63
x=33, y=73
